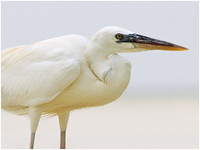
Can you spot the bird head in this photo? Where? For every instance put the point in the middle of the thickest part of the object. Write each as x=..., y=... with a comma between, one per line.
x=121, y=40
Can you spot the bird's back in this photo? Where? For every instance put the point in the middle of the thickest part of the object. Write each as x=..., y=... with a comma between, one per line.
x=35, y=74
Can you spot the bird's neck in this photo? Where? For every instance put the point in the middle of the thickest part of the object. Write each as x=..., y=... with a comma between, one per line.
x=97, y=59
x=106, y=65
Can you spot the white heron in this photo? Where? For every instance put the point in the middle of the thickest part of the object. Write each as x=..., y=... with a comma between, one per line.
x=58, y=75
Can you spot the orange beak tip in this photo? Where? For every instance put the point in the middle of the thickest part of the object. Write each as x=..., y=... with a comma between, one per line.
x=183, y=49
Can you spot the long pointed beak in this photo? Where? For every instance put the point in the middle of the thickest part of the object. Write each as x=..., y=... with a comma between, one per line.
x=143, y=42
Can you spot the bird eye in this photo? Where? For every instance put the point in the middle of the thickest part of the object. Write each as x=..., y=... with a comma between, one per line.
x=119, y=36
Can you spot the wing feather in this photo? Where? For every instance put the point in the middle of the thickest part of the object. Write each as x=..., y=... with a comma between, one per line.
x=36, y=74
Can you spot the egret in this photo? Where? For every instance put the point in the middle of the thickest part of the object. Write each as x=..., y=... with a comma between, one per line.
x=58, y=75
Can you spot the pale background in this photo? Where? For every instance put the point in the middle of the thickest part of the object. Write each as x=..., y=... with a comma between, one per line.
x=159, y=109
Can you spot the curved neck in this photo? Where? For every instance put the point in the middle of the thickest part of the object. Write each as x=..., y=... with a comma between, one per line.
x=113, y=71
x=105, y=67
x=97, y=57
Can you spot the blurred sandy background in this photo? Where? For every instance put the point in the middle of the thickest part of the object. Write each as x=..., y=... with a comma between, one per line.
x=159, y=109
x=140, y=123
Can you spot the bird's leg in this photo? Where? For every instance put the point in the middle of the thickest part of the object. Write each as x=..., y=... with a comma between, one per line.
x=32, y=140
x=63, y=119
x=34, y=115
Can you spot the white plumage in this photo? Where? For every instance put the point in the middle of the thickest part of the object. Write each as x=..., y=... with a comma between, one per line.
x=61, y=74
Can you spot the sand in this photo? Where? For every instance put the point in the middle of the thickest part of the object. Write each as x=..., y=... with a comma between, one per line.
x=125, y=123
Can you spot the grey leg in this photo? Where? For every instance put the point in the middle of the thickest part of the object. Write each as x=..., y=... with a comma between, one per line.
x=32, y=140
x=62, y=139
x=63, y=120
x=34, y=115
